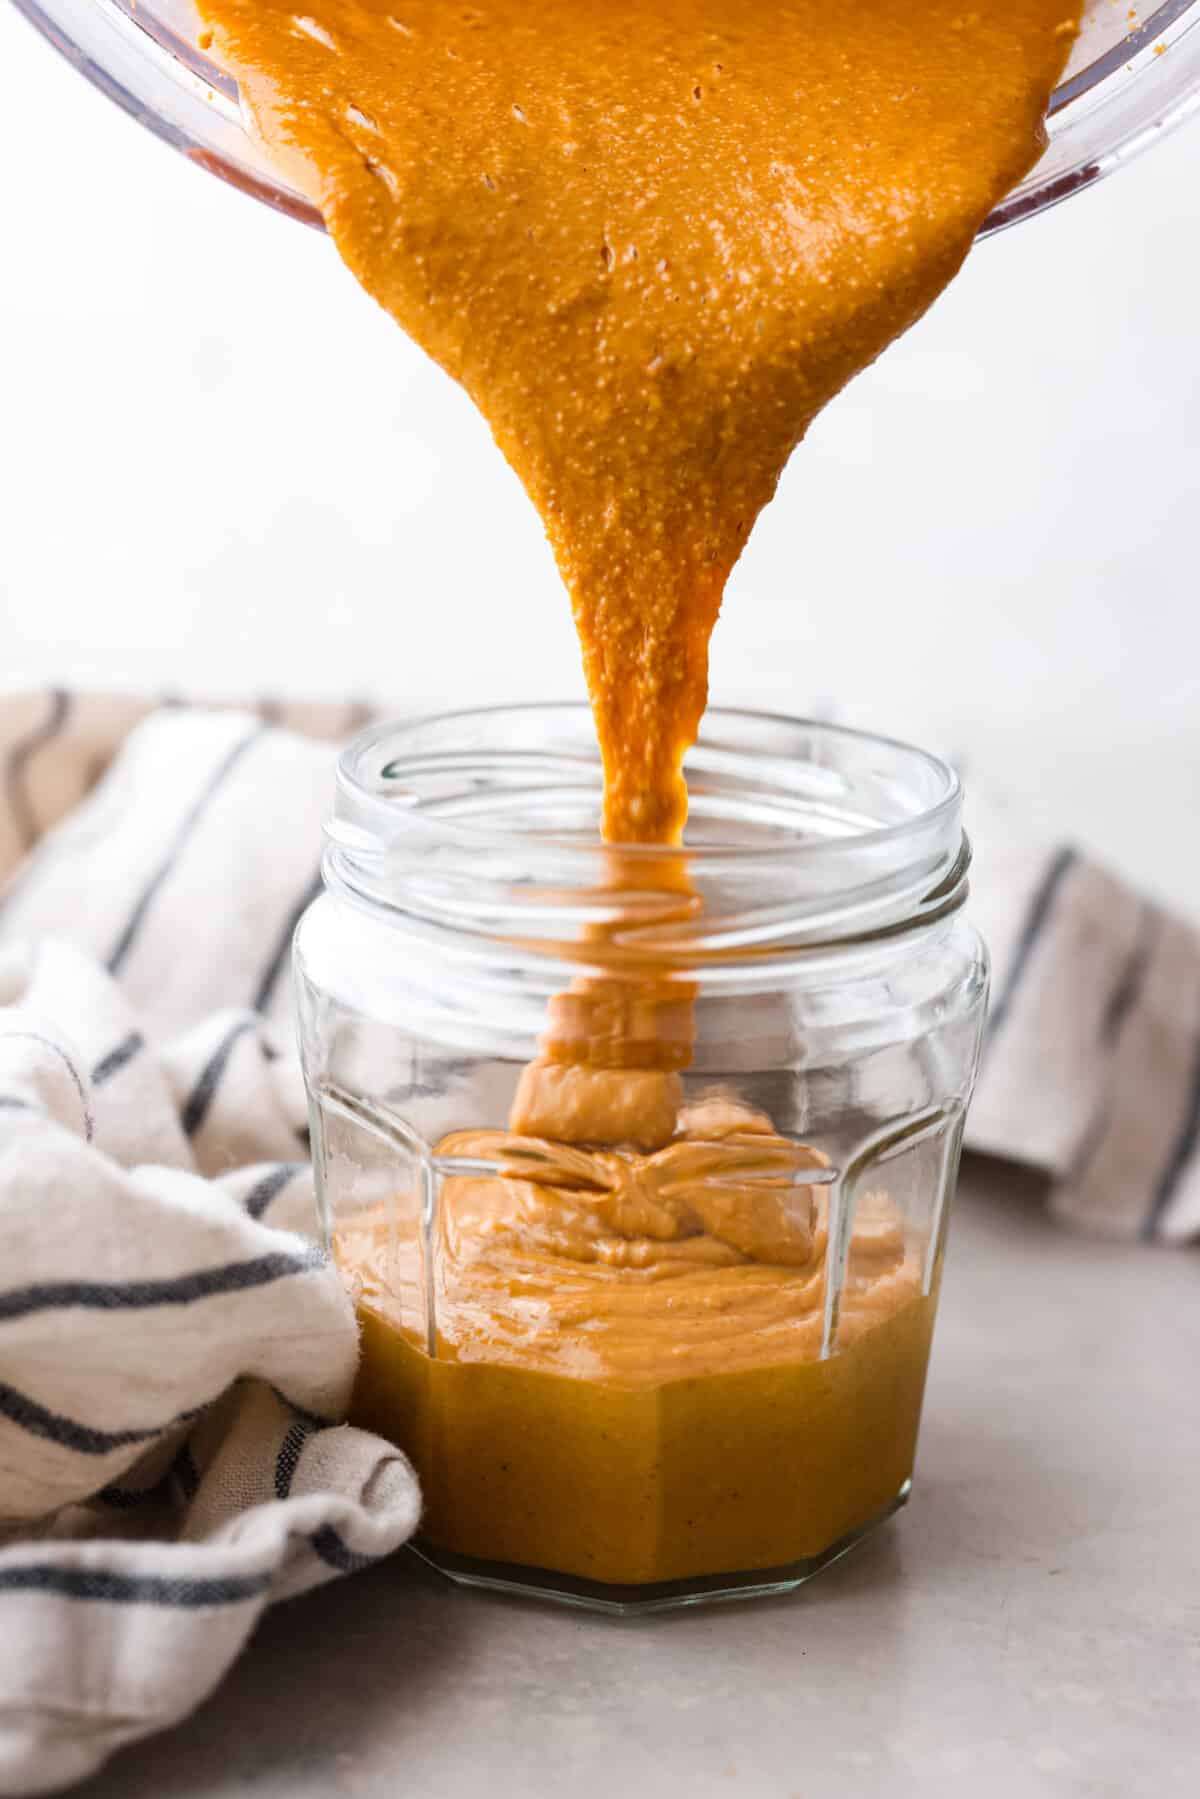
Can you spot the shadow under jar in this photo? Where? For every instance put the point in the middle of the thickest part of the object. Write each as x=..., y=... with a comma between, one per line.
x=638, y=1161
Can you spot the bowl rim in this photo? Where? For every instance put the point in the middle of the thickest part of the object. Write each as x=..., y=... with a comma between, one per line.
x=1101, y=117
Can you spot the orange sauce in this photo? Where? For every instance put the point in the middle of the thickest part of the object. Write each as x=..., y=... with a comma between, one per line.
x=628, y=1383
x=652, y=239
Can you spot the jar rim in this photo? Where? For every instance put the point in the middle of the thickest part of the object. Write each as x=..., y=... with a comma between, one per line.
x=480, y=829
x=385, y=794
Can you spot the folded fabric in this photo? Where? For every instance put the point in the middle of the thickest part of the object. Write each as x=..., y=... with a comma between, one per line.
x=174, y=1352
x=1091, y=1064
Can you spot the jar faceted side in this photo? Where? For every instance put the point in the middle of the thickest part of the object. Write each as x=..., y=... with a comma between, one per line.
x=631, y=1378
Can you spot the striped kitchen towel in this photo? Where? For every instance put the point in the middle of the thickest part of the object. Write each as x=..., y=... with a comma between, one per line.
x=176, y=1354
x=1091, y=1063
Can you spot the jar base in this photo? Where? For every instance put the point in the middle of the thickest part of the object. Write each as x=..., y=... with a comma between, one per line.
x=657, y=1596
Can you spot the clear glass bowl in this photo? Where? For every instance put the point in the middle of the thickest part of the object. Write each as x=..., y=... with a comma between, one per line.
x=638, y=1162
x=1135, y=73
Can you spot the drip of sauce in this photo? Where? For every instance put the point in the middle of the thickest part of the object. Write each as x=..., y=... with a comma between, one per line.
x=652, y=238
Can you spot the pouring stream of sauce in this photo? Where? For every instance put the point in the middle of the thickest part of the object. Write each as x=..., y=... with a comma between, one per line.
x=652, y=238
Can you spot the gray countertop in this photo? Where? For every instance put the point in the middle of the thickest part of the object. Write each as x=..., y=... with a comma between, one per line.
x=1030, y=1626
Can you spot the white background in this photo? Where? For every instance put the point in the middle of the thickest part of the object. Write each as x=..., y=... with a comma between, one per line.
x=222, y=468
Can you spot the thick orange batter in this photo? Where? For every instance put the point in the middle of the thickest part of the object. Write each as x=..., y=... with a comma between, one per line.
x=652, y=238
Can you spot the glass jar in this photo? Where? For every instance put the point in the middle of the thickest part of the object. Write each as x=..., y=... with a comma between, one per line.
x=1134, y=73
x=638, y=1162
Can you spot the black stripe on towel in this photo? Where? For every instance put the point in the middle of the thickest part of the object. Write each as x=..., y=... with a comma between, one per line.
x=122, y=1296
x=127, y=1499
x=279, y=954
x=116, y=1058
x=184, y=1470
x=14, y=1104
x=270, y=1187
x=189, y=823
x=19, y=758
x=1121, y=1003
x=187, y=1592
x=136, y=1589
x=288, y=1459
x=1124, y=995
x=1184, y=1148
x=338, y=1554
x=39, y=1421
x=1036, y=919
x=201, y=1097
